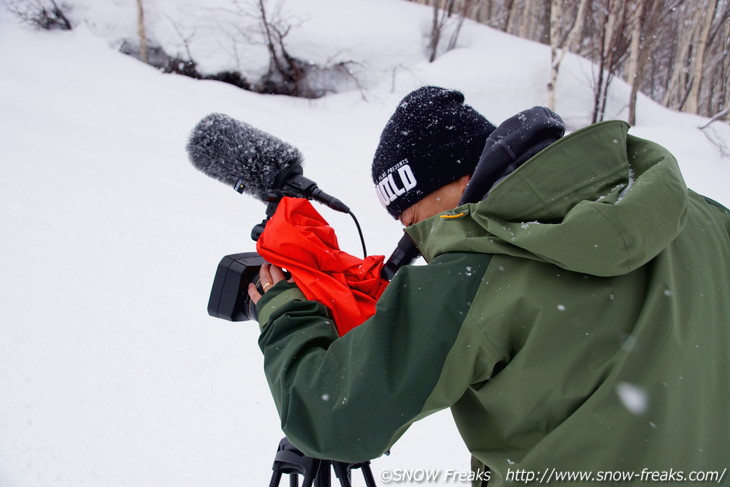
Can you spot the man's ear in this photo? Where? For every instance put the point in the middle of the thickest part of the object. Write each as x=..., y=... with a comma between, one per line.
x=463, y=181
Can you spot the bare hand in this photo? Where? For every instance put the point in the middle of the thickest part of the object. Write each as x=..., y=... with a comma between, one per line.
x=268, y=276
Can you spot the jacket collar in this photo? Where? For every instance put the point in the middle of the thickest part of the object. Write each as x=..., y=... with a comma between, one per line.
x=597, y=201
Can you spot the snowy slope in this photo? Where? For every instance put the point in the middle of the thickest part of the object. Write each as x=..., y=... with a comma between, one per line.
x=111, y=372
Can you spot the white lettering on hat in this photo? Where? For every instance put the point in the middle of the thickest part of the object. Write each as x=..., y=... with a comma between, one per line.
x=407, y=177
x=390, y=188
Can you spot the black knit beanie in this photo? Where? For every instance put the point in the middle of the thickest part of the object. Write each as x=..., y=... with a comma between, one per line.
x=431, y=140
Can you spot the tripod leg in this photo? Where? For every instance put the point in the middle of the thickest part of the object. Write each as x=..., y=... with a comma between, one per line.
x=368, y=474
x=324, y=474
x=342, y=471
x=289, y=460
x=275, y=478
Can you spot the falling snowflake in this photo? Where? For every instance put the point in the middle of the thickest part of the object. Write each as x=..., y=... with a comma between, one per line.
x=633, y=397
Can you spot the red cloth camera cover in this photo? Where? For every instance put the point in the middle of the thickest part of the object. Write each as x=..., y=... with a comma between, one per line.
x=298, y=239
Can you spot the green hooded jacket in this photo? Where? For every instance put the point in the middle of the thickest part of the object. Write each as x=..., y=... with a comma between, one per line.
x=576, y=321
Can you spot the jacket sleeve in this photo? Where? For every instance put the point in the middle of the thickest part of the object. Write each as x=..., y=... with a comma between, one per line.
x=350, y=398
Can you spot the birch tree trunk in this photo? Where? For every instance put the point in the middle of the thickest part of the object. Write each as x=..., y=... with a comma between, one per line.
x=698, y=59
x=556, y=14
x=560, y=43
x=525, y=26
x=678, y=53
x=143, y=51
x=512, y=15
x=632, y=74
x=575, y=34
x=724, y=74
x=678, y=79
x=603, y=48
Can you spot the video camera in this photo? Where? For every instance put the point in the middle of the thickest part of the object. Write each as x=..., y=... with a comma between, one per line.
x=255, y=162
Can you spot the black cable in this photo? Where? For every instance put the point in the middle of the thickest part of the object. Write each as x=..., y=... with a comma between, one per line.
x=359, y=231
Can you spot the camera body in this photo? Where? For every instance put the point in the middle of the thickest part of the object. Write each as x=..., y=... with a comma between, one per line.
x=229, y=298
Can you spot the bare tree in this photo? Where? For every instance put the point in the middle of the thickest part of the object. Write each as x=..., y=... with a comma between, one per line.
x=438, y=24
x=675, y=51
x=525, y=25
x=713, y=137
x=282, y=64
x=533, y=20
x=142, y=33
x=514, y=8
x=186, y=37
x=681, y=78
x=609, y=26
x=701, y=64
x=258, y=23
x=505, y=15
x=556, y=43
x=565, y=27
x=285, y=72
x=635, y=57
x=447, y=15
x=465, y=12
x=715, y=90
x=43, y=14
x=698, y=59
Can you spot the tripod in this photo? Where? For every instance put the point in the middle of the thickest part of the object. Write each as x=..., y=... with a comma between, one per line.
x=290, y=460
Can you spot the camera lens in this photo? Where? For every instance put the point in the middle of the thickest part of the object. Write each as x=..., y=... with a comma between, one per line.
x=249, y=307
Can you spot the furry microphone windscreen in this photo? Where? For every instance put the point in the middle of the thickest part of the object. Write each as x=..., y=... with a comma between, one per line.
x=232, y=151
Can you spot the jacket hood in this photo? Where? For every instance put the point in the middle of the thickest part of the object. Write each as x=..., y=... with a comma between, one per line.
x=598, y=201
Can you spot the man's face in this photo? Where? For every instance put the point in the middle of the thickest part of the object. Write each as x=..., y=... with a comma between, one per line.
x=443, y=199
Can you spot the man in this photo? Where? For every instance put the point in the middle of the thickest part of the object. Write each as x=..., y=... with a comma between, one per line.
x=576, y=320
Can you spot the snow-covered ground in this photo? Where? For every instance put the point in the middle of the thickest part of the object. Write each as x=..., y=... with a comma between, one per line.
x=111, y=372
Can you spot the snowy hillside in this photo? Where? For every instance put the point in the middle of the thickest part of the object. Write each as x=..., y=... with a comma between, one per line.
x=111, y=372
